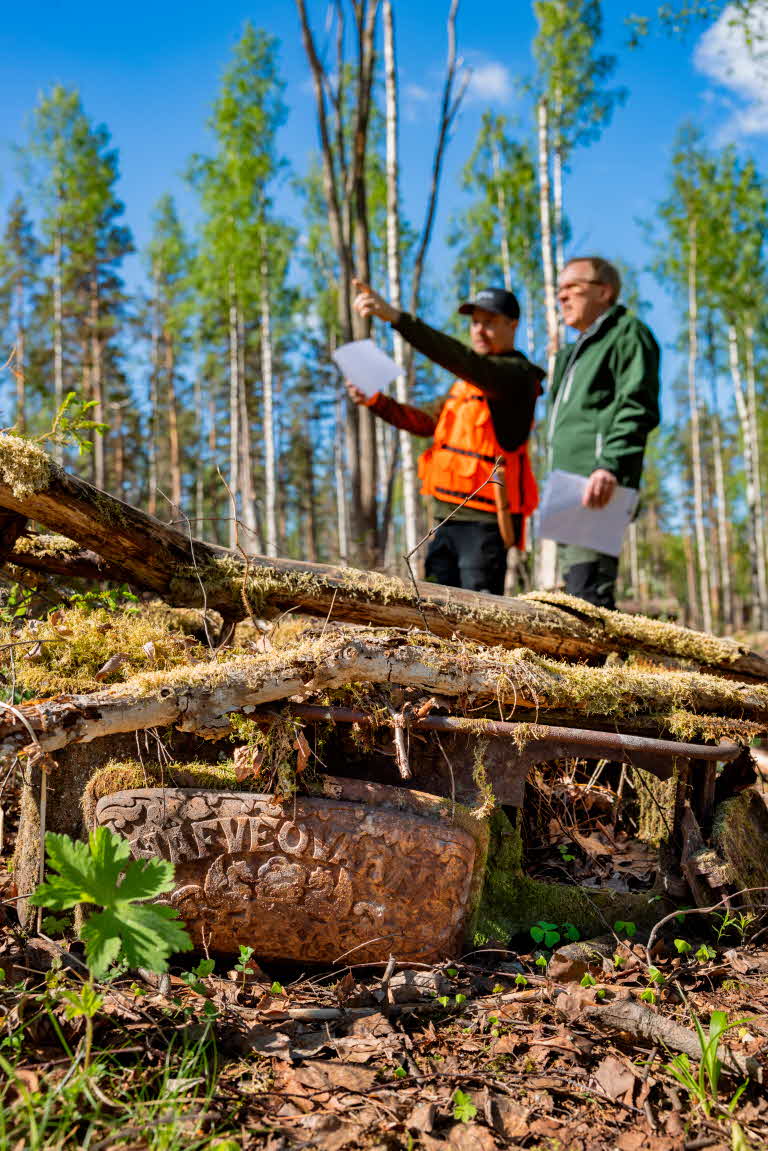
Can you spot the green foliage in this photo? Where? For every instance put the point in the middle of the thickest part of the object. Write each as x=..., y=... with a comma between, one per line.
x=648, y=995
x=277, y=989
x=195, y=977
x=587, y=980
x=739, y=923
x=625, y=927
x=115, y=598
x=550, y=934
x=464, y=1109
x=682, y=946
x=83, y=1004
x=72, y=426
x=521, y=981
x=705, y=953
x=100, y=873
x=704, y=1085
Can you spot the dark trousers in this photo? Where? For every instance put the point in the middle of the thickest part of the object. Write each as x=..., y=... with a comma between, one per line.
x=590, y=575
x=468, y=554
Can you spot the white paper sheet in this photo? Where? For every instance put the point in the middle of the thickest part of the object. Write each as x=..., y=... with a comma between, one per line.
x=563, y=518
x=366, y=366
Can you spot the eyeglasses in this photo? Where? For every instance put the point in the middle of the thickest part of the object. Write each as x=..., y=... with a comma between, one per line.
x=572, y=285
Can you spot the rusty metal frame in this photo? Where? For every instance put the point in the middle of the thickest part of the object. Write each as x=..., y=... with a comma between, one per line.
x=514, y=747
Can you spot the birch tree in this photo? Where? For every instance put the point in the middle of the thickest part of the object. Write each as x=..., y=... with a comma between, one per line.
x=19, y=271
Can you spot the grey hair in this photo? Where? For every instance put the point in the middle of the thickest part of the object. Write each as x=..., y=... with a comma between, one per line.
x=604, y=272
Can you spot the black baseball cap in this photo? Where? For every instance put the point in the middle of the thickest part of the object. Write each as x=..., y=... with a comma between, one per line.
x=493, y=300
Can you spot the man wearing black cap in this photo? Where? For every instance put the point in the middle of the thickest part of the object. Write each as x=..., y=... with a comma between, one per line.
x=486, y=418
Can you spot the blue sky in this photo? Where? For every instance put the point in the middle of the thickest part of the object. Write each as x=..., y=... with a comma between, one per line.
x=150, y=73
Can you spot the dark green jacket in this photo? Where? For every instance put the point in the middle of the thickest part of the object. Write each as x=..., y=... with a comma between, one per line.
x=604, y=398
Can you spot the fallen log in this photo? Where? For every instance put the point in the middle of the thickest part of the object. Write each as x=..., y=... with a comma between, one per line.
x=200, y=697
x=187, y=572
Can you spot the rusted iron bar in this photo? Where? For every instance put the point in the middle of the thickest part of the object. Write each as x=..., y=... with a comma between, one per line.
x=622, y=748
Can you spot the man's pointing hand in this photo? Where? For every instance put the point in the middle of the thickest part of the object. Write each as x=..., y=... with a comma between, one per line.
x=370, y=303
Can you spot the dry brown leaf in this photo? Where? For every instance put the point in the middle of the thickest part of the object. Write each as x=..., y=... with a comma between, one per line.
x=615, y=1077
x=113, y=663
x=509, y=1118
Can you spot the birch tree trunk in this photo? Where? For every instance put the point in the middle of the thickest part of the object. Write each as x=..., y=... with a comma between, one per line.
x=548, y=549
x=702, y=559
x=58, y=335
x=747, y=440
x=501, y=204
x=724, y=566
x=407, y=461
x=270, y=474
x=758, y=480
x=199, y=506
x=234, y=407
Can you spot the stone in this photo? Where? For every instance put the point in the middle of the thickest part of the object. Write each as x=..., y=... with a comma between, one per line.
x=365, y=871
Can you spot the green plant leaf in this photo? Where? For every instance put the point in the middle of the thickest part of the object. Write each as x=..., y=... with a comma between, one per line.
x=682, y=946
x=551, y=938
x=463, y=1108
x=90, y=873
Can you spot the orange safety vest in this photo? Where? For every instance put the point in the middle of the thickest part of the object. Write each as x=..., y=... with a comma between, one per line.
x=464, y=452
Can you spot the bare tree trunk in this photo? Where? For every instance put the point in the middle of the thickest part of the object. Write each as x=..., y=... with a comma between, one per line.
x=501, y=204
x=234, y=407
x=174, y=445
x=199, y=511
x=20, y=358
x=548, y=549
x=753, y=510
x=58, y=335
x=407, y=461
x=342, y=497
x=758, y=480
x=724, y=566
x=154, y=412
x=702, y=558
x=118, y=450
x=270, y=471
x=97, y=384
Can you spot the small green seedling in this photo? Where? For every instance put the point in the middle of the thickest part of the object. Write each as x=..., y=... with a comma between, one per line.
x=194, y=977
x=625, y=927
x=497, y=989
x=399, y=1073
x=464, y=1109
x=587, y=980
x=277, y=989
x=682, y=946
x=600, y=994
x=443, y=1000
x=451, y=972
x=546, y=933
x=243, y=961
x=565, y=854
x=648, y=996
x=705, y=953
x=521, y=981
x=541, y=961
x=460, y=999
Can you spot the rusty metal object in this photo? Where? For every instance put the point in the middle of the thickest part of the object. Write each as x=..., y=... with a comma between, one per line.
x=509, y=764
x=315, y=877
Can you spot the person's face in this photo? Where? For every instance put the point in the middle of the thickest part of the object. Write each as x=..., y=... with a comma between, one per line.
x=490, y=333
x=581, y=299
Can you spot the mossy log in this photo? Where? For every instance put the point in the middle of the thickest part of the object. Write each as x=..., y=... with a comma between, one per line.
x=138, y=549
x=201, y=696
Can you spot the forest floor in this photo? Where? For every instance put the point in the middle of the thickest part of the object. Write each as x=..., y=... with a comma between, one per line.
x=495, y=1050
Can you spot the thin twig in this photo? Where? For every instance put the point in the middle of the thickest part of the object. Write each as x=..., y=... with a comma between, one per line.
x=694, y=911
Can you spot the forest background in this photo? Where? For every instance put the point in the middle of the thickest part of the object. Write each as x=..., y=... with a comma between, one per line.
x=187, y=195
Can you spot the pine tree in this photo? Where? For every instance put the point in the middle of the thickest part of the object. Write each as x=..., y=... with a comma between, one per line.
x=19, y=271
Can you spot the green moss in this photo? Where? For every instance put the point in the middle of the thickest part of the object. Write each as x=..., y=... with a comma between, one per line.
x=129, y=774
x=75, y=643
x=24, y=467
x=656, y=805
x=45, y=545
x=649, y=634
x=511, y=902
x=740, y=834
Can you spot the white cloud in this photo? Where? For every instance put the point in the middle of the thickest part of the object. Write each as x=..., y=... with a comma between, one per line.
x=725, y=55
x=490, y=82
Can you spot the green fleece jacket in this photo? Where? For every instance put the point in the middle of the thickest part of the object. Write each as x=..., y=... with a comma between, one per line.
x=604, y=398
